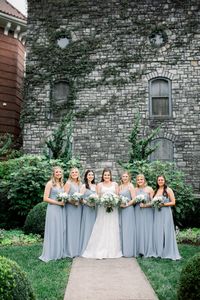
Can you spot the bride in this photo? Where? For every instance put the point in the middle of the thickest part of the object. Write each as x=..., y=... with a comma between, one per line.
x=104, y=241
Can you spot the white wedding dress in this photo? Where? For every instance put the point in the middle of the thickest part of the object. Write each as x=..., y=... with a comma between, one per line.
x=104, y=241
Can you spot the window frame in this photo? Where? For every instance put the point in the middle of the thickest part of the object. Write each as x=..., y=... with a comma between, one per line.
x=157, y=140
x=169, y=115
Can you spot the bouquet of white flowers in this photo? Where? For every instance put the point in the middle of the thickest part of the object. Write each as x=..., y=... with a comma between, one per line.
x=140, y=199
x=157, y=202
x=63, y=196
x=109, y=201
x=92, y=200
x=75, y=198
x=123, y=200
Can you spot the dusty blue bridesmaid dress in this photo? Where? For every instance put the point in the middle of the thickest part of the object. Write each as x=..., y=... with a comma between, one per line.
x=54, y=235
x=73, y=225
x=164, y=237
x=87, y=221
x=144, y=227
x=127, y=227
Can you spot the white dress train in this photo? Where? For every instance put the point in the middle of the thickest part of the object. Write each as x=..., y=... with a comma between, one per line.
x=104, y=241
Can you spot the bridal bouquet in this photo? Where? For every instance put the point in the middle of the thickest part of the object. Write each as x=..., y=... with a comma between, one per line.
x=123, y=200
x=109, y=201
x=93, y=199
x=63, y=196
x=157, y=202
x=75, y=198
x=140, y=199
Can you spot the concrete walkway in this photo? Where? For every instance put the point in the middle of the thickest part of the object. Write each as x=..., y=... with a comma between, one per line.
x=108, y=279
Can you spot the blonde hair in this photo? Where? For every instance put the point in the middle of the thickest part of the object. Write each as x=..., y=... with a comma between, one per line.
x=70, y=176
x=53, y=179
x=129, y=176
x=141, y=175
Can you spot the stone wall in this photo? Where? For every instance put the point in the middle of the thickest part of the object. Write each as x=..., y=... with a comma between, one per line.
x=108, y=64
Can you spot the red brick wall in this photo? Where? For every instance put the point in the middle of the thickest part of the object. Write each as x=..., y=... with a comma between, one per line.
x=11, y=79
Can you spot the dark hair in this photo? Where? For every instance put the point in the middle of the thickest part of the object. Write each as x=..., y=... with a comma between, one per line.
x=165, y=194
x=104, y=171
x=86, y=180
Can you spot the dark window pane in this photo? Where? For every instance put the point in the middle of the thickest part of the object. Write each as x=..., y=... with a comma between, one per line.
x=160, y=88
x=160, y=106
x=61, y=91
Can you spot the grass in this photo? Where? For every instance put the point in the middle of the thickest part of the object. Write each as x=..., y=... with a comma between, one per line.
x=48, y=280
x=164, y=274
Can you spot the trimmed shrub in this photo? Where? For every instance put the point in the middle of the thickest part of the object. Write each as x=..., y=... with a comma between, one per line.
x=189, y=284
x=35, y=220
x=14, y=284
x=185, y=212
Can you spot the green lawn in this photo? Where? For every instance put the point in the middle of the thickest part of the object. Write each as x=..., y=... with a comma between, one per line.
x=164, y=273
x=48, y=280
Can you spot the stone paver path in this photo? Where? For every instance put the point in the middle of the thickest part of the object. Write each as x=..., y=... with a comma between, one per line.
x=108, y=279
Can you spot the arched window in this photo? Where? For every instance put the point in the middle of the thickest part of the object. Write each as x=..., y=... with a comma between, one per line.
x=60, y=92
x=160, y=98
x=164, y=150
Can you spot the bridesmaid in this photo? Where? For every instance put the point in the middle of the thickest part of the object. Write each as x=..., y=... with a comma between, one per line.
x=127, y=217
x=144, y=219
x=55, y=222
x=88, y=213
x=73, y=215
x=163, y=230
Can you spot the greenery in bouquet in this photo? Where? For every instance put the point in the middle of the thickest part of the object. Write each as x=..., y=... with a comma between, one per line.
x=140, y=199
x=109, y=201
x=123, y=200
x=63, y=196
x=92, y=200
x=75, y=198
x=157, y=202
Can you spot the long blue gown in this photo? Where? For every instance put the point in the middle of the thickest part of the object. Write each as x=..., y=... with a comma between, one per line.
x=127, y=226
x=87, y=222
x=164, y=237
x=73, y=225
x=144, y=227
x=54, y=235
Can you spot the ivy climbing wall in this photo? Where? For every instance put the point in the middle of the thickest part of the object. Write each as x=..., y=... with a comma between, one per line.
x=114, y=48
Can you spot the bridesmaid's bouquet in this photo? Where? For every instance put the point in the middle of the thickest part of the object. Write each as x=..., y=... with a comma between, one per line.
x=109, y=201
x=157, y=202
x=123, y=200
x=75, y=198
x=140, y=199
x=92, y=200
x=62, y=196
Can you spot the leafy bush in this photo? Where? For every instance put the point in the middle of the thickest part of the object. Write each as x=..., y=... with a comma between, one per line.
x=35, y=220
x=189, y=236
x=189, y=285
x=13, y=282
x=22, y=185
x=17, y=237
x=186, y=204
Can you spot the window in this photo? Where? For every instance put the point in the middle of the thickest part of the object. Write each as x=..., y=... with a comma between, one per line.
x=160, y=98
x=164, y=150
x=60, y=92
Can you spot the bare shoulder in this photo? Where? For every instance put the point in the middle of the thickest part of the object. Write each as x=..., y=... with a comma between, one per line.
x=169, y=190
x=149, y=189
x=49, y=184
x=131, y=186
